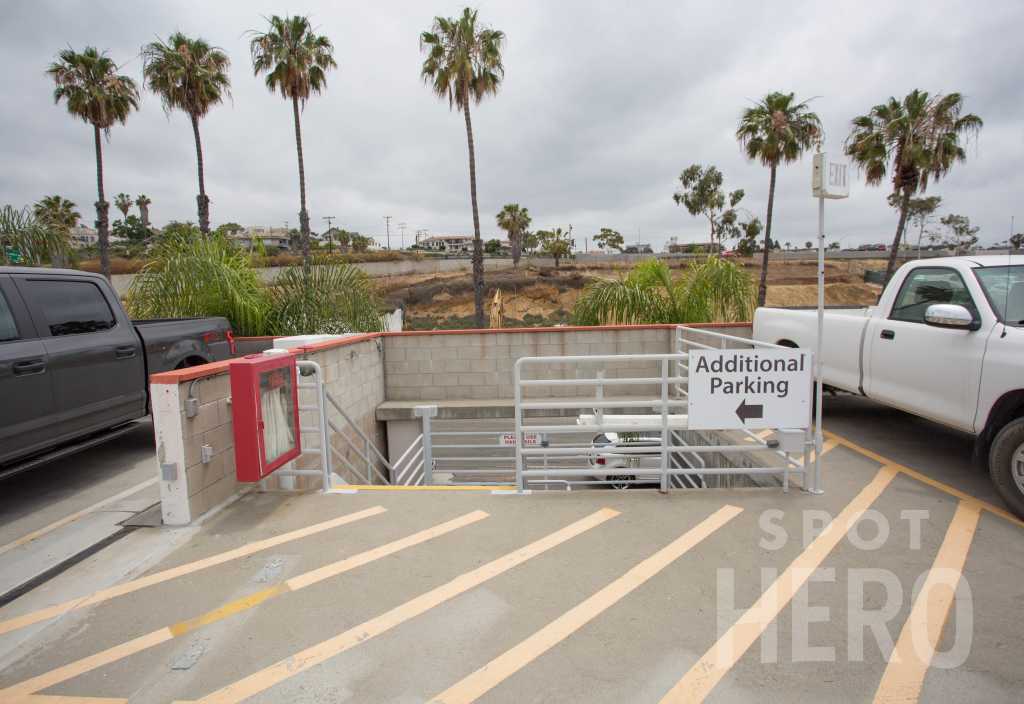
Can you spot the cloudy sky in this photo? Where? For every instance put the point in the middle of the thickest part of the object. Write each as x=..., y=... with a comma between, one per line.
x=603, y=104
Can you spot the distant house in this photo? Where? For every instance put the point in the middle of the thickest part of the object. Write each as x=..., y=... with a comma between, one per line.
x=693, y=247
x=449, y=244
x=82, y=237
x=270, y=237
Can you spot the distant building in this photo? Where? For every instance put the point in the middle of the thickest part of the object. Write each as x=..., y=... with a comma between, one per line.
x=693, y=247
x=82, y=237
x=450, y=244
x=278, y=237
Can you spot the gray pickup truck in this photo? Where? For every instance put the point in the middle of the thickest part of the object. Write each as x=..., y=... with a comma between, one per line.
x=74, y=368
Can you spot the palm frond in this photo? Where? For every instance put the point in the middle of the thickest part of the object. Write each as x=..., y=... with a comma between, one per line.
x=37, y=240
x=324, y=298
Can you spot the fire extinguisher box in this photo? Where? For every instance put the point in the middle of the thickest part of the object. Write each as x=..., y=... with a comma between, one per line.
x=265, y=413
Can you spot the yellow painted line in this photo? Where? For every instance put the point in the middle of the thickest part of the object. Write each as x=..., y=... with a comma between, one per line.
x=188, y=568
x=825, y=447
x=698, y=682
x=934, y=483
x=912, y=656
x=59, y=699
x=519, y=656
x=162, y=635
x=36, y=534
x=321, y=652
x=429, y=487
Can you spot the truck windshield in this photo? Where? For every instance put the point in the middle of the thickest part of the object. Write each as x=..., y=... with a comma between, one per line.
x=1004, y=286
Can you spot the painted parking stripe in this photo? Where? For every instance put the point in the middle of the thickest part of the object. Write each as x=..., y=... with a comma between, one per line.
x=36, y=534
x=162, y=635
x=188, y=568
x=511, y=661
x=934, y=483
x=321, y=652
x=910, y=659
x=60, y=699
x=826, y=446
x=698, y=682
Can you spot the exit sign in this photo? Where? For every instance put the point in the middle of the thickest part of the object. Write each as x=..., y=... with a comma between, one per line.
x=830, y=179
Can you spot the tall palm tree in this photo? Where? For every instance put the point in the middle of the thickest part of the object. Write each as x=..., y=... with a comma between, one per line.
x=916, y=139
x=94, y=92
x=713, y=290
x=296, y=61
x=514, y=219
x=463, y=64
x=776, y=130
x=191, y=76
x=123, y=202
x=143, y=202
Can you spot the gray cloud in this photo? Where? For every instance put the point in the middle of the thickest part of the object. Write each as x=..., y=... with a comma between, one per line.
x=603, y=105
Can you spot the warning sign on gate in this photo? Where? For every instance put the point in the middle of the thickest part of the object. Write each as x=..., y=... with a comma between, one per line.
x=750, y=388
x=529, y=439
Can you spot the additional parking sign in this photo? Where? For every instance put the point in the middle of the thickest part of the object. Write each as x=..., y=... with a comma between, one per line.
x=758, y=388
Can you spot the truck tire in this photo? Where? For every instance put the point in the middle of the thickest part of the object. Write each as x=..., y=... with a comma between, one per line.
x=1006, y=464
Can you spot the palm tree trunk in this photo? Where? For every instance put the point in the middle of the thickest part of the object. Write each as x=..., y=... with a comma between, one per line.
x=904, y=206
x=762, y=287
x=478, y=248
x=201, y=199
x=516, y=240
x=102, y=208
x=303, y=215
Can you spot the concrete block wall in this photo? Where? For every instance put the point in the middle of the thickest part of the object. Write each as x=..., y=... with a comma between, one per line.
x=354, y=377
x=466, y=365
x=189, y=487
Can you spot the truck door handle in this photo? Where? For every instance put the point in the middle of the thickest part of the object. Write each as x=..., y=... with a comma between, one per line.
x=888, y=335
x=29, y=366
x=126, y=352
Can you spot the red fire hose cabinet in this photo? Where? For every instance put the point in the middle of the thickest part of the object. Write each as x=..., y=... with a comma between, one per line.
x=265, y=413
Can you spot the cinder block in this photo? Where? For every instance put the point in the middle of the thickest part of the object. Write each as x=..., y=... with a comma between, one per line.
x=211, y=389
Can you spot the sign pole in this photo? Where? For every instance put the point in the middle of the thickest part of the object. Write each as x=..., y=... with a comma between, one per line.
x=816, y=486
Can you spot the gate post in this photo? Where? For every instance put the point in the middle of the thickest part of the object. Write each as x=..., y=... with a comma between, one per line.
x=426, y=413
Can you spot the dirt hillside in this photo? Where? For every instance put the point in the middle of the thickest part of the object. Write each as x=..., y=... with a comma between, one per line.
x=545, y=296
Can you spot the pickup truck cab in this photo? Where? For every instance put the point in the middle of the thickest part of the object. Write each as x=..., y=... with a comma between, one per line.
x=945, y=342
x=72, y=364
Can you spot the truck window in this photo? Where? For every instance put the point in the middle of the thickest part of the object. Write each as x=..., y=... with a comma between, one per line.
x=8, y=330
x=71, y=307
x=1004, y=286
x=926, y=286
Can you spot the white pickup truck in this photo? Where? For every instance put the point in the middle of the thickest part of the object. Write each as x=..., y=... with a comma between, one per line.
x=945, y=342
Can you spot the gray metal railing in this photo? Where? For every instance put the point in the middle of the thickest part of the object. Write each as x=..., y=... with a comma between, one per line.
x=654, y=426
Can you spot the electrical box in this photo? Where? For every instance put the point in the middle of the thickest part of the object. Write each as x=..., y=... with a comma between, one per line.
x=265, y=413
x=830, y=179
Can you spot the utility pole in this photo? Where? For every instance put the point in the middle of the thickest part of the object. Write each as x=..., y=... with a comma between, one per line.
x=329, y=219
x=401, y=227
x=387, y=228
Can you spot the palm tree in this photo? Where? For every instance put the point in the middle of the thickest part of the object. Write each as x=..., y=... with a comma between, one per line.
x=514, y=219
x=94, y=92
x=191, y=76
x=776, y=130
x=143, y=202
x=463, y=64
x=296, y=61
x=32, y=239
x=713, y=290
x=123, y=202
x=57, y=211
x=59, y=215
x=915, y=139
x=329, y=298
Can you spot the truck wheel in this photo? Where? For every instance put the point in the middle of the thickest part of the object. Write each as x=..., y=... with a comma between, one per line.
x=1006, y=464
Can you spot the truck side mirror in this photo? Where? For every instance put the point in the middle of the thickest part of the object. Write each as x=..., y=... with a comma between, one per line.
x=950, y=315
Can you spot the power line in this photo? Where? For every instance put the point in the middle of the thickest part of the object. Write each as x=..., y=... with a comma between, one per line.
x=387, y=227
x=401, y=227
